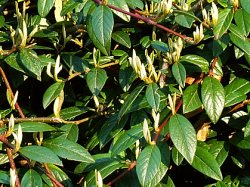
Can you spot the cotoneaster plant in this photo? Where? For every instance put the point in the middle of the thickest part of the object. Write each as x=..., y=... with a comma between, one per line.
x=125, y=93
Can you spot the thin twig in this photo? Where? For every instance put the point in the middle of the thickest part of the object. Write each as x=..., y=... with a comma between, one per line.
x=132, y=165
x=213, y=66
x=146, y=20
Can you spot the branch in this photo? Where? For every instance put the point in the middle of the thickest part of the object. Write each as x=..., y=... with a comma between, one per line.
x=213, y=66
x=146, y=20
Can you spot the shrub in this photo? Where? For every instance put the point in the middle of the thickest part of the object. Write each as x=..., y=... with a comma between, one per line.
x=125, y=93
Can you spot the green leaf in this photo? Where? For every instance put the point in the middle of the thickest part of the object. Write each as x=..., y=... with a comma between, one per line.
x=69, y=150
x=160, y=46
x=72, y=112
x=179, y=73
x=127, y=139
x=76, y=63
x=206, y=164
x=4, y=177
x=185, y=20
x=219, y=150
x=242, y=20
x=122, y=5
x=126, y=76
x=44, y=7
x=183, y=135
x=245, y=4
x=31, y=178
x=135, y=4
x=51, y=93
x=148, y=164
x=240, y=141
x=35, y=127
x=69, y=7
x=220, y=45
x=177, y=157
x=129, y=101
x=158, y=176
x=191, y=99
x=30, y=63
x=153, y=96
x=96, y=79
x=195, y=62
x=100, y=26
x=213, y=98
x=238, y=85
x=71, y=132
x=122, y=38
x=224, y=21
x=40, y=154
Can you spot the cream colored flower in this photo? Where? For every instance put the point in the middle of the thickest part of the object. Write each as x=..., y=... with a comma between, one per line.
x=198, y=34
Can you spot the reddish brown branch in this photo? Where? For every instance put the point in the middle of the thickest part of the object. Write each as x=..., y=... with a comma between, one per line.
x=146, y=20
x=55, y=182
x=11, y=92
x=213, y=66
x=132, y=165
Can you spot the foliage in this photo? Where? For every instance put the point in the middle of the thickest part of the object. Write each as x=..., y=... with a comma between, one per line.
x=124, y=93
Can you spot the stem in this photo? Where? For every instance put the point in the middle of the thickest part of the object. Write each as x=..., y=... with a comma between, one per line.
x=146, y=20
x=213, y=66
x=52, y=178
x=132, y=165
x=109, y=64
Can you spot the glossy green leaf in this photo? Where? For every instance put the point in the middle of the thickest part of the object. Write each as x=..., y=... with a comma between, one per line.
x=69, y=150
x=195, y=62
x=96, y=79
x=4, y=177
x=35, y=127
x=219, y=150
x=148, y=164
x=240, y=141
x=183, y=135
x=129, y=101
x=122, y=38
x=100, y=26
x=160, y=46
x=40, y=154
x=126, y=76
x=242, y=20
x=31, y=178
x=220, y=45
x=44, y=7
x=13, y=60
x=122, y=5
x=206, y=164
x=72, y=112
x=76, y=63
x=70, y=132
x=127, y=139
x=185, y=20
x=59, y=174
x=213, y=98
x=153, y=96
x=135, y=4
x=30, y=63
x=191, y=99
x=177, y=156
x=224, y=21
x=69, y=6
x=51, y=93
x=236, y=91
x=179, y=73
x=245, y=4
x=158, y=175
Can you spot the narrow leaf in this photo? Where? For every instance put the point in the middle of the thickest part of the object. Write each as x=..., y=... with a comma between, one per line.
x=69, y=150
x=191, y=99
x=122, y=38
x=148, y=164
x=195, y=62
x=153, y=96
x=179, y=73
x=44, y=7
x=206, y=164
x=51, y=93
x=213, y=98
x=122, y=5
x=183, y=135
x=96, y=79
x=31, y=178
x=35, y=127
x=40, y=154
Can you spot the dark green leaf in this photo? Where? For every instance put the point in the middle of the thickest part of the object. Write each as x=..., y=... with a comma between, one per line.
x=44, y=7
x=31, y=178
x=160, y=46
x=69, y=150
x=4, y=178
x=213, y=98
x=45, y=33
x=96, y=79
x=122, y=5
x=183, y=135
x=70, y=132
x=76, y=63
x=240, y=141
x=127, y=139
x=158, y=175
x=242, y=20
x=153, y=96
x=100, y=26
x=177, y=156
x=129, y=101
x=206, y=164
x=35, y=127
x=69, y=6
x=219, y=150
x=135, y=4
x=185, y=20
x=224, y=21
x=220, y=45
x=126, y=76
x=196, y=62
x=40, y=154
x=30, y=63
x=179, y=73
x=245, y=4
x=122, y=38
x=51, y=93
x=72, y=112
x=191, y=99
x=148, y=164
